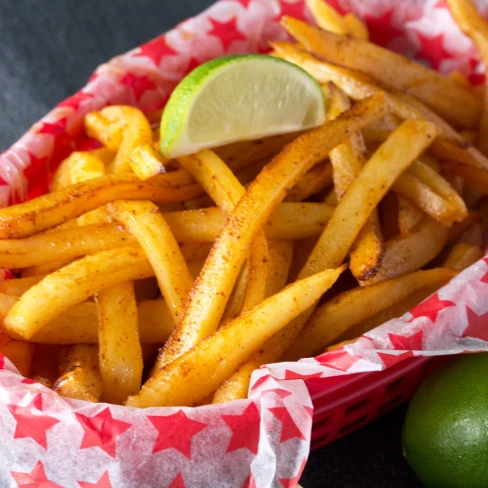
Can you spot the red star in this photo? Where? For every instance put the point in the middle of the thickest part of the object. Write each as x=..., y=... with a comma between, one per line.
x=101, y=431
x=413, y=342
x=477, y=325
x=63, y=144
x=156, y=50
x=31, y=423
x=76, y=100
x=309, y=410
x=27, y=381
x=178, y=482
x=139, y=84
x=292, y=482
x=260, y=381
x=103, y=482
x=249, y=482
x=227, y=32
x=244, y=3
x=35, y=479
x=59, y=127
x=484, y=278
x=245, y=429
x=175, y=431
x=278, y=391
x=440, y=4
x=293, y=9
x=38, y=176
x=391, y=359
x=338, y=359
x=289, y=429
x=381, y=29
x=291, y=375
x=430, y=308
x=432, y=49
x=192, y=64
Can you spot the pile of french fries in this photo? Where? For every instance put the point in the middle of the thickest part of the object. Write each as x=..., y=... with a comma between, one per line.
x=147, y=282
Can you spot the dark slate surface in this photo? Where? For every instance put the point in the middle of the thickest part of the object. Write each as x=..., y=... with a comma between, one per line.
x=48, y=48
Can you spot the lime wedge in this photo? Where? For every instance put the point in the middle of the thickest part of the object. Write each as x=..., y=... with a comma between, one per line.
x=238, y=98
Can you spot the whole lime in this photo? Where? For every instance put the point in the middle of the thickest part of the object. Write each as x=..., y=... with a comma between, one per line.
x=445, y=436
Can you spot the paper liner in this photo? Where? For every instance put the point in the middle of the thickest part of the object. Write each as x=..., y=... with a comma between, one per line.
x=264, y=441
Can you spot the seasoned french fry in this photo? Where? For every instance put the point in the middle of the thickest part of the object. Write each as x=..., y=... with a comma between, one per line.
x=397, y=71
x=19, y=352
x=204, y=365
x=351, y=307
x=50, y=210
x=120, y=354
x=148, y=226
x=312, y=182
x=55, y=293
x=210, y=293
x=405, y=254
x=80, y=375
x=146, y=161
x=105, y=155
x=356, y=26
x=18, y=286
x=327, y=17
x=224, y=188
x=409, y=216
x=347, y=160
x=462, y=255
x=400, y=150
x=237, y=386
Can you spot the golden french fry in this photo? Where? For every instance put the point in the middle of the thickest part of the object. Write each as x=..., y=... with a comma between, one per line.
x=224, y=188
x=203, y=364
x=19, y=352
x=120, y=354
x=476, y=177
x=146, y=161
x=396, y=154
x=327, y=17
x=80, y=375
x=312, y=182
x=148, y=226
x=108, y=131
x=236, y=299
x=237, y=386
x=131, y=129
x=347, y=160
x=104, y=154
x=395, y=70
x=55, y=293
x=211, y=290
x=409, y=216
x=50, y=210
x=405, y=254
x=356, y=26
x=462, y=255
x=351, y=307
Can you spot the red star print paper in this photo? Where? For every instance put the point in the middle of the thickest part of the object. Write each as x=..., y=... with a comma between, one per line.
x=51, y=442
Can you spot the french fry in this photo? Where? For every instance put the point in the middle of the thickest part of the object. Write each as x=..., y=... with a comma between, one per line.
x=120, y=354
x=80, y=376
x=104, y=154
x=148, y=226
x=327, y=17
x=55, y=293
x=400, y=150
x=397, y=71
x=409, y=216
x=462, y=255
x=460, y=227
x=405, y=254
x=146, y=161
x=224, y=188
x=50, y=210
x=211, y=290
x=203, y=364
x=19, y=352
x=347, y=160
x=351, y=307
x=109, y=132
x=312, y=182
x=474, y=26
x=237, y=386
x=135, y=130
x=356, y=26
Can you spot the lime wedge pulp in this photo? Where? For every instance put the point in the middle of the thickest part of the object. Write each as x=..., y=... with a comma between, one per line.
x=239, y=98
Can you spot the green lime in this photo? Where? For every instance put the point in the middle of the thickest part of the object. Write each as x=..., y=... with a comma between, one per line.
x=238, y=98
x=445, y=436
